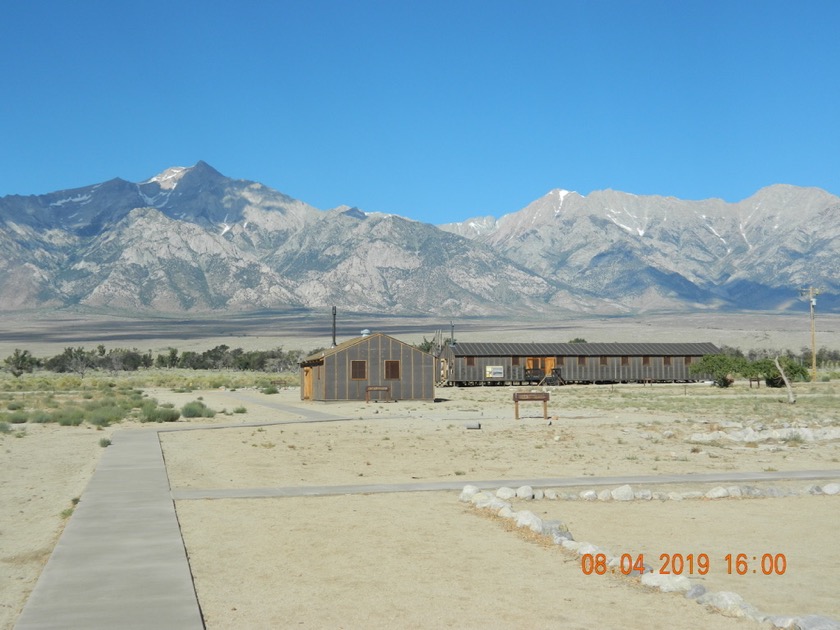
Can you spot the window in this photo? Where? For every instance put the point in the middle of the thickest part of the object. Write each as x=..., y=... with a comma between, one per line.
x=514, y=361
x=602, y=361
x=358, y=370
x=581, y=360
x=688, y=360
x=645, y=360
x=667, y=361
x=625, y=361
x=392, y=370
x=470, y=361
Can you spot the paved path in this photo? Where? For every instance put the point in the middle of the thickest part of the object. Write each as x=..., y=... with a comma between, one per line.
x=120, y=562
x=180, y=494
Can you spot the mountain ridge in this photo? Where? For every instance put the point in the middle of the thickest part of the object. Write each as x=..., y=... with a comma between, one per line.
x=190, y=240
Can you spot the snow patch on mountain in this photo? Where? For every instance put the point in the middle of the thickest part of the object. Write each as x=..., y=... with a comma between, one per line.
x=168, y=179
x=79, y=199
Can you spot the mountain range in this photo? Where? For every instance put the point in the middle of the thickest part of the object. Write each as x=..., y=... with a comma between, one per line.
x=191, y=240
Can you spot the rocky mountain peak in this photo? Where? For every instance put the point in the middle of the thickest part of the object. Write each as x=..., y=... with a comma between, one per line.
x=190, y=239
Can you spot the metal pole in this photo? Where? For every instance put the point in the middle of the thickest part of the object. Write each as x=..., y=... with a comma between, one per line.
x=813, y=339
x=812, y=294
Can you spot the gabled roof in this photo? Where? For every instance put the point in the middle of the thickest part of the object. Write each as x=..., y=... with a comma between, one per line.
x=319, y=356
x=479, y=349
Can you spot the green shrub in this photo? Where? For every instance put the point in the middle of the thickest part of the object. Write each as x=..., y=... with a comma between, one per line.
x=70, y=416
x=165, y=414
x=104, y=415
x=40, y=416
x=240, y=410
x=197, y=409
x=18, y=417
x=148, y=410
x=5, y=427
x=14, y=405
x=103, y=442
x=271, y=389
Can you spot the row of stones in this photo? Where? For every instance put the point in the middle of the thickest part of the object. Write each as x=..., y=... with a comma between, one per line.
x=627, y=493
x=725, y=602
x=750, y=435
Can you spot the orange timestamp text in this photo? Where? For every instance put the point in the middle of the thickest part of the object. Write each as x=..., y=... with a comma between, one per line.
x=684, y=564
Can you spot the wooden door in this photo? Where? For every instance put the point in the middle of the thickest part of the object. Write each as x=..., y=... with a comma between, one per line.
x=307, y=383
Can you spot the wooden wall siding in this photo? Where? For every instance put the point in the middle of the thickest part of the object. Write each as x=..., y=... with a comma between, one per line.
x=333, y=381
x=591, y=370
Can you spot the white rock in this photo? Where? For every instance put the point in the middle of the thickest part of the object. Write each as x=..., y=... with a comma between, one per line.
x=675, y=496
x=571, y=545
x=692, y=495
x=507, y=512
x=831, y=488
x=483, y=499
x=588, y=548
x=524, y=492
x=726, y=603
x=524, y=518
x=538, y=494
x=505, y=493
x=622, y=493
x=550, y=494
x=643, y=495
x=468, y=493
x=589, y=495
x=497, y=504
x=666, y=583
x=718, y=492
x=734, y=491
x=604, y=495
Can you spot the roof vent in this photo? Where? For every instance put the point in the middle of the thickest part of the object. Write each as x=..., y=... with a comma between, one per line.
x=365, y=333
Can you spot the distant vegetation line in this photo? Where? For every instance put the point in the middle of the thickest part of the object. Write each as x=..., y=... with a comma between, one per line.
x=80, y=361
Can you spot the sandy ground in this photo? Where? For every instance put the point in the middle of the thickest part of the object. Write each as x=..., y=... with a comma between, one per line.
x=424, y=559
x=41, y=472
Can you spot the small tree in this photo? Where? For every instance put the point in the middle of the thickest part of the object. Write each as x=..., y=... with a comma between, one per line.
x=722, y=368
x=427, y=345
x=19, y=362
x=767, y=369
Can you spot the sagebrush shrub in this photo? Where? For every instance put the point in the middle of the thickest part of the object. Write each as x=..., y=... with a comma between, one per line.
x=197, y=409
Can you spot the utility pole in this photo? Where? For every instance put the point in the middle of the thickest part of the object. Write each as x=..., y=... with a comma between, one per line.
x=812, y=294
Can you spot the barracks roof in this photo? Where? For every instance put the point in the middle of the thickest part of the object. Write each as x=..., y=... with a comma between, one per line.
x=479, y=349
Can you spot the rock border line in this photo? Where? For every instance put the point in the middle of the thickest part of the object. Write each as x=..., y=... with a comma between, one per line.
x=727, y=603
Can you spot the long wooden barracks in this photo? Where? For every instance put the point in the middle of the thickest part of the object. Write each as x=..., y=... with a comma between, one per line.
x=558, y=363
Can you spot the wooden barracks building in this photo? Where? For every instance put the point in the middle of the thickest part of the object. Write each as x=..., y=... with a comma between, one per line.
x=373, y=365
x=499, y=363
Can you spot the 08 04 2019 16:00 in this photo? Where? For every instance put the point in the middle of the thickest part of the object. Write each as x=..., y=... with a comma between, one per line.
x=684, y=564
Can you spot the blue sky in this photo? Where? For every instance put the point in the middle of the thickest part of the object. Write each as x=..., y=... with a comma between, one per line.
x=437, y=111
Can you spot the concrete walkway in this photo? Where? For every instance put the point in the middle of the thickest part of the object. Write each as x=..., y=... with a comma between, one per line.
x=182, y=494
x=120, y=562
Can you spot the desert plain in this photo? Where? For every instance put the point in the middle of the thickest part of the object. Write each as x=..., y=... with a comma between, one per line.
x=282, y=529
